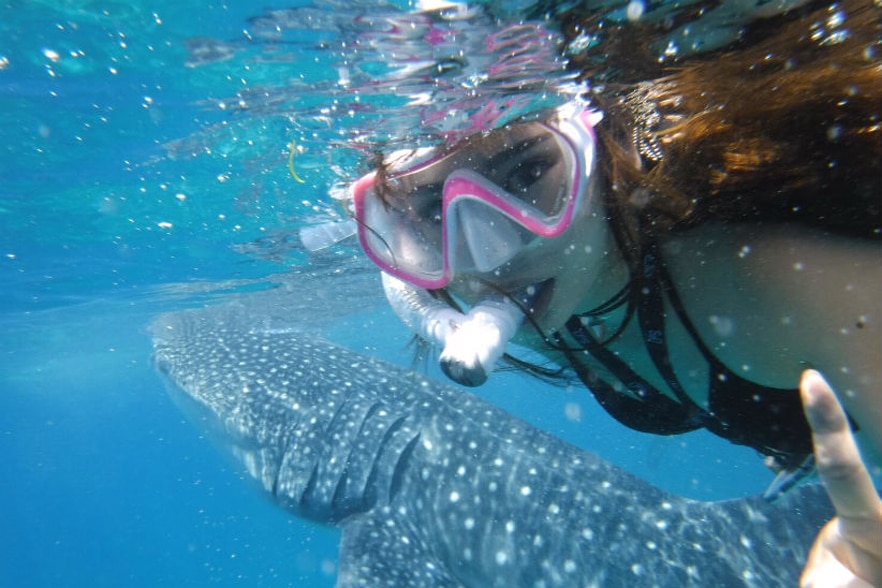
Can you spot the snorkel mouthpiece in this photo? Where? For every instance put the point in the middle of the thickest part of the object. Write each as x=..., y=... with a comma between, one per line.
x=472, y=343
x=472, y=349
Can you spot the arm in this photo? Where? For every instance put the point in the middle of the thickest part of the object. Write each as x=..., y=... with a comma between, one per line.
x=848, y=550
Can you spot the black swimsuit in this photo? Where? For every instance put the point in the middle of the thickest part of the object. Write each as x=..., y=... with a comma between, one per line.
x=770, y=420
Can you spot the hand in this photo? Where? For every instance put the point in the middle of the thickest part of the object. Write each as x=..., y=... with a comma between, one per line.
x=848, y=550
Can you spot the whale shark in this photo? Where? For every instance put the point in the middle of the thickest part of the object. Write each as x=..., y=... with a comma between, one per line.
x=432, y=486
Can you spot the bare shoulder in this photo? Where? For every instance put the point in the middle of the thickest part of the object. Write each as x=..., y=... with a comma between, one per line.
x=774, y=300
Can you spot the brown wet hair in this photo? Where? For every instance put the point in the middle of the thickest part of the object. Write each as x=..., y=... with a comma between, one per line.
x=787, y=128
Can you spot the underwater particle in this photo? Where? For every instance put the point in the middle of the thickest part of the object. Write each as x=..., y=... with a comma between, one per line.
x=634, y=10
x=723, y=326
x=834, y=132
x=291, y=150
x=51, y=54
x=573, y=412
x=583, y=42
x=836, y=19
x=671, y=50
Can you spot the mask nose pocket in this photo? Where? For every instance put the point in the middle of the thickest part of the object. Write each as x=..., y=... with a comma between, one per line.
x=484, y=238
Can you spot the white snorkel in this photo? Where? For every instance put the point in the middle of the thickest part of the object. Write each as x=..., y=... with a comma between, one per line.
x=471, y=343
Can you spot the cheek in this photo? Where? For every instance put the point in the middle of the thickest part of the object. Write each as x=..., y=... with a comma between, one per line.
x=569, y=290
x=554, y=189
x=576, y=264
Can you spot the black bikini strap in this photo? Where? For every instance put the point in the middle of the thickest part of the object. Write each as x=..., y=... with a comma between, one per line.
x=651, y=317
x=648, y=410
x=768, y=419
x=664, y=285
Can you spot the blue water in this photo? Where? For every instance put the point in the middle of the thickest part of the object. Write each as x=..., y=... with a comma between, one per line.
x=125, y=191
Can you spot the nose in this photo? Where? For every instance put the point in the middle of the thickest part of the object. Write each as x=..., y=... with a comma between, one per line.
x=484, y=238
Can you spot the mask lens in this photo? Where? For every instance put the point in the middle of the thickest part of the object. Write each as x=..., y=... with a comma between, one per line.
x=399, y=239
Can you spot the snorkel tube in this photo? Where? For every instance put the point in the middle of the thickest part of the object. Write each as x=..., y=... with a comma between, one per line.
x=471, y=343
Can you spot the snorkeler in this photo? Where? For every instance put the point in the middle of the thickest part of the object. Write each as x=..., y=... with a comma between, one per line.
x=687, y=244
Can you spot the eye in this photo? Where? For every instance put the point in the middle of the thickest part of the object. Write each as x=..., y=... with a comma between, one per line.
x=432, y=213
x=425, y=202
x=525, y=174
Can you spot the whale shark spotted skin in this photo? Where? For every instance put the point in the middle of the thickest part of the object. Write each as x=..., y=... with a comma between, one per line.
x=432, y=486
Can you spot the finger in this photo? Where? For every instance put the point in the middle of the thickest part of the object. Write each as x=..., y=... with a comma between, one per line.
x=824, y=570
x=836, y=454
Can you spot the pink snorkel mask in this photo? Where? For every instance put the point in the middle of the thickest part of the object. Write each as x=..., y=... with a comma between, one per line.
x=473, y=208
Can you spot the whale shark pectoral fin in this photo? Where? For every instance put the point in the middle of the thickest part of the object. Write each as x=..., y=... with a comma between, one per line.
x=378, y=550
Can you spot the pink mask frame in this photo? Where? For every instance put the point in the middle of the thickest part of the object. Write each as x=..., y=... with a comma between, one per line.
x=422, y=262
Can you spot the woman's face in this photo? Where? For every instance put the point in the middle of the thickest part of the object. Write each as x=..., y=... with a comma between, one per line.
x=514, y=211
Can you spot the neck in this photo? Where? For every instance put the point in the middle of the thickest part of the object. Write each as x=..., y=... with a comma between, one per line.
x=589, y=282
